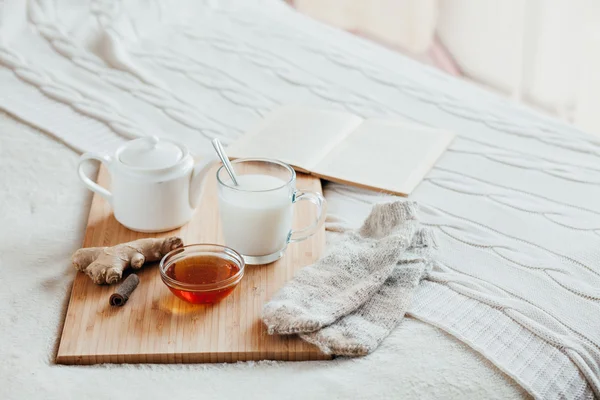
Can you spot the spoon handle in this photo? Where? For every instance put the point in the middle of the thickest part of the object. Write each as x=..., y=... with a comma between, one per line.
x=224, y=159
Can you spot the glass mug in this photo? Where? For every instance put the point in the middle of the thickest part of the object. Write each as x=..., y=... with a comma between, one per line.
x=257, y=215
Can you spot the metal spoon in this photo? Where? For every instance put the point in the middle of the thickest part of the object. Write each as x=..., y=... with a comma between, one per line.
x=225, y=160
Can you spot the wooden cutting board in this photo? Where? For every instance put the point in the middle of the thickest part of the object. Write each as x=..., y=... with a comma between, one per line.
x=157, y=327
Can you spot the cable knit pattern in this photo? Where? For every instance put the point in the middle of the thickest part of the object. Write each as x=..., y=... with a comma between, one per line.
x=513, y=202
x=85, y=103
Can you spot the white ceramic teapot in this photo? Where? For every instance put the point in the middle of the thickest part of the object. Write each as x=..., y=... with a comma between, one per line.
x=155, y=185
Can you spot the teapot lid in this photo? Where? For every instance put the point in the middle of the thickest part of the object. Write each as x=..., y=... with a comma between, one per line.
x=151, y=153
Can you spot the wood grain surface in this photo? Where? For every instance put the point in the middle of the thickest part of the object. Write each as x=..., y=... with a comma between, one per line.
x=157, y=327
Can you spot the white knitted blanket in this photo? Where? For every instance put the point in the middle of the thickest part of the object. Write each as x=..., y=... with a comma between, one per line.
x=513, y=200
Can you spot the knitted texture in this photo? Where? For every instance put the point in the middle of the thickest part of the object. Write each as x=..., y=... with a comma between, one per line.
x=513, y=202
x=360, y=332
x=415, y=361
x=347, y=276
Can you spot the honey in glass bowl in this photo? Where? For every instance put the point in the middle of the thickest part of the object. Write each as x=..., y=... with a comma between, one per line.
x=202, y=274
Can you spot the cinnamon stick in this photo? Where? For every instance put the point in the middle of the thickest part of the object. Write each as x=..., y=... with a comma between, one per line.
x=122, y=293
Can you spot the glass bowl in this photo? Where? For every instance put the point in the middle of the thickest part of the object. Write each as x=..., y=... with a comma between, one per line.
x=202, y=273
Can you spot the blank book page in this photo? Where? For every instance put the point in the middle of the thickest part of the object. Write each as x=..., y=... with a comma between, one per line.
x=388, y=155
x=297, y=136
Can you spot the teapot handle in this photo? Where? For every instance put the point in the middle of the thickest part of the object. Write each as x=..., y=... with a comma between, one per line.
x=93, y=186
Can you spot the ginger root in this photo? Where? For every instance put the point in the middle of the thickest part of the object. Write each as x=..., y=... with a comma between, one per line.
x=106, y=264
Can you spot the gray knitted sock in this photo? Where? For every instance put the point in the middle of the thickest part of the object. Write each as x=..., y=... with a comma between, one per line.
x=361, y=332
x=347, y=276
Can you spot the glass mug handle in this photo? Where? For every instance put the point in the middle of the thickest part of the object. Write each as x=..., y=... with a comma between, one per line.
x=318, y=200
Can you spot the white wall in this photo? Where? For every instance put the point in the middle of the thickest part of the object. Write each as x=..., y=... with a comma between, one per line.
x=535, y=50
x=544, y=52
x=483, y=36
x=409, y=24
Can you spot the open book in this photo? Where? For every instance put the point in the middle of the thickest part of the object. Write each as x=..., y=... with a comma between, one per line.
x=386, y=155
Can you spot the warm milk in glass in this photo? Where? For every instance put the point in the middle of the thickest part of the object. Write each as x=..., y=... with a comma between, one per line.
x=256, y=215
x=257, y=220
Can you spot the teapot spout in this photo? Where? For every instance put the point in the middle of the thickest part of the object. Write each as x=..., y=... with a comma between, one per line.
x=199, y=174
